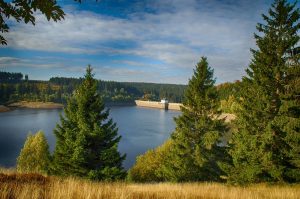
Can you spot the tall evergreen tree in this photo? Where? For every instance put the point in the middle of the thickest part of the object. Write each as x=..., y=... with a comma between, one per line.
x=87, y=140
x=260, y=147
x=287, y=122
x=198, y=132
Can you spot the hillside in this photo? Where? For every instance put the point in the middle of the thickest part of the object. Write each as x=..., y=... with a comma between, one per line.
x=14, y=88
x=58, y=89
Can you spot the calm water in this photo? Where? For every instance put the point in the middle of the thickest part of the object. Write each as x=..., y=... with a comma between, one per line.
x=141, y=129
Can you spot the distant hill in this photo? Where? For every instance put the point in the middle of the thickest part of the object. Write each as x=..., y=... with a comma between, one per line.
x=18, y=87
x=14, y=88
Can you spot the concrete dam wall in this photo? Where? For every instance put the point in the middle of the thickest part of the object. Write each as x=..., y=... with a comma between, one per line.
x=175, y=106
x=159, y=105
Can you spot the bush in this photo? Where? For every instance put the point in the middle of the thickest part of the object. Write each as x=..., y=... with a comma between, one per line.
x=35, y=156
x=149, y=166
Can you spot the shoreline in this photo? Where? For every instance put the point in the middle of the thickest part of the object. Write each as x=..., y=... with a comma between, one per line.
x=110, y=104
x=4, y=109
x=50, y=105
x=35, y=105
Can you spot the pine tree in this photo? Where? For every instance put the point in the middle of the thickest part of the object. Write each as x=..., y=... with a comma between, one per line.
x=87, y=140
x=35, y=156
x=198, y=132
x=258, y=144
x=287, y=122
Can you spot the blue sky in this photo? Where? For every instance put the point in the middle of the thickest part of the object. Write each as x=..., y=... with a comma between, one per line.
x=142, y=41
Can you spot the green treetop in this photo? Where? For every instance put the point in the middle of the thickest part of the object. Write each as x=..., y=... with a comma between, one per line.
x=198, y=132
x=258, y=145
x=87, y=140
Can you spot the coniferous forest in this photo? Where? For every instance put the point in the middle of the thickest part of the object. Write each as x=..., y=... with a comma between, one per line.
x=13, y=87
x=264, y=141
x=261, y=145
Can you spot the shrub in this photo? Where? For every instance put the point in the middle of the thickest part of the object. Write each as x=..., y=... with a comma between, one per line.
x=149, y=166
x=35, y=156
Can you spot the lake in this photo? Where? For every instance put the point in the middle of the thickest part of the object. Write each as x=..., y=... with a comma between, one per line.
x=141, y=129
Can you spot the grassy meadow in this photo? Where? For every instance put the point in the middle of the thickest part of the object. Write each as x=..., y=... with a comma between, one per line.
x=35, y=186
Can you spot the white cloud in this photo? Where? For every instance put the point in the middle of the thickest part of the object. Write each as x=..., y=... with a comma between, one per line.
x=102, y=72
x=7, y=62
x=177, y=35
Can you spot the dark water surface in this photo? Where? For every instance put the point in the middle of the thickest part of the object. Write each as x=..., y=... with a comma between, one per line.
x=141, y=129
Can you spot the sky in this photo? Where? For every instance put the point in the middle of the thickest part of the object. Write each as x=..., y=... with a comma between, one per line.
x=157, y=41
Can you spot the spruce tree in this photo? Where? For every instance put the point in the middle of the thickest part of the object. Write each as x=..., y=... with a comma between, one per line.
x=287, y=122
x=87, y=140
x=196, y=139
x=258, y=145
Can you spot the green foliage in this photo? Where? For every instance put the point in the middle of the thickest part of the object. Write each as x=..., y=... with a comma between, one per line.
x=227, y=89
x=23, y=11
x=231, y=105
x=59, y=89
x=6, y=77
x=265, y=146
x=35, y=156
x=149, y=167
x=127, y=91
x=87, y=140
x=149, y=97
x=196, y=140
x=287, y=122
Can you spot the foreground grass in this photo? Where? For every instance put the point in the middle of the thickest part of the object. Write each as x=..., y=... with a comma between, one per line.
x=36, y=187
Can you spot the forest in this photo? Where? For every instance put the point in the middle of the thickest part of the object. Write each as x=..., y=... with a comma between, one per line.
x=13, y=87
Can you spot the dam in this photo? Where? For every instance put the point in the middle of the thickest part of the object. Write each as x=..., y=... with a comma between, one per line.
x=163, y=104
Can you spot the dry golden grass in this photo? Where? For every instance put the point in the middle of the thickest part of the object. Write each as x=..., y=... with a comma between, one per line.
x=36, y=187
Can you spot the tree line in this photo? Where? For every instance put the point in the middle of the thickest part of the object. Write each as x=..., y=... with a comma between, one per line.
x=58, y=89
x=6, y=77
x=263, y=145
x=13, y=87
